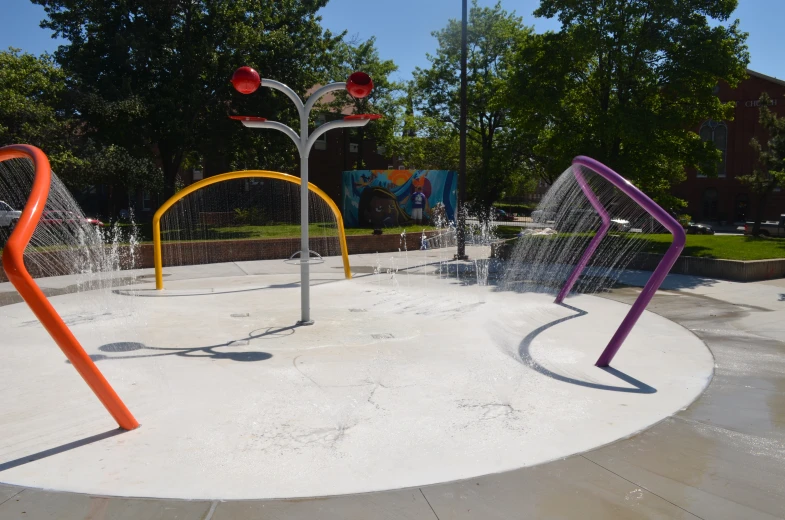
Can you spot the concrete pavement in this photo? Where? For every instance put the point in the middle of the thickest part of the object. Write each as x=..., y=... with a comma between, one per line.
x=721, y=457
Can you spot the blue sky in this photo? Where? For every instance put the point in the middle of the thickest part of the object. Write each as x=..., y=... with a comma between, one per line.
x=403, y=27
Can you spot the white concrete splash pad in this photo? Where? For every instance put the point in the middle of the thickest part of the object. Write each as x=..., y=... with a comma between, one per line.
x=398, y=384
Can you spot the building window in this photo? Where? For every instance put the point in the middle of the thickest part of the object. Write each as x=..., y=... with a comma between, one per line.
x=198, y=175
x=710, y=199
x=321, y=142
x=354, y=147
x=146, y=201
x=717, y=133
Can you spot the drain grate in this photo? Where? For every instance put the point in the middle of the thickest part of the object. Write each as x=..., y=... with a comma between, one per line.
x=383, y=335
x=240, y=315
x=358, y=310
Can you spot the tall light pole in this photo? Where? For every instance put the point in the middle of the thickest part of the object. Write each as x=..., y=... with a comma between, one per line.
x=246, y=80
x=461, y=232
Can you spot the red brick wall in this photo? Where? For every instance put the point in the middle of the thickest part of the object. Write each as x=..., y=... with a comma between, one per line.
x=740, y=156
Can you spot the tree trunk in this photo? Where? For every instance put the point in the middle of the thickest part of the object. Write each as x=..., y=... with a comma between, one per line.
x=762, y=199
x=170, y=164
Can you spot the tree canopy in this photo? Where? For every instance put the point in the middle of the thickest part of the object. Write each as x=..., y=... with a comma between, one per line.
x=356, y=55
x=36, y=108
x=495, y=150
x=628, y=82
x=32, y=91
x=153, y=77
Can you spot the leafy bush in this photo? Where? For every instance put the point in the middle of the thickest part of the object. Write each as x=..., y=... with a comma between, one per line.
x=684, y=220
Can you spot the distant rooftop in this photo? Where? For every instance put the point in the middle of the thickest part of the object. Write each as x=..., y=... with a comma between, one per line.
x=767, y=78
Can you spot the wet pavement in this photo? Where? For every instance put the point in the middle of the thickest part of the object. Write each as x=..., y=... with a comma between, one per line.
x=723, y=457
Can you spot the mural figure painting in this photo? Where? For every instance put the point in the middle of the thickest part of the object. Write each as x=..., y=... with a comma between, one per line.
x=379, y=209
x=390, y=198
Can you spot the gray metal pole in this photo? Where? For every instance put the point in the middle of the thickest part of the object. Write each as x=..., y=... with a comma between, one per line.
x=304, y=143
x=461, y=232
x=305, y=250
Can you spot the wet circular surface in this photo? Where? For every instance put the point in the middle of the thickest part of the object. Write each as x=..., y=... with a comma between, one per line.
x=398, y=383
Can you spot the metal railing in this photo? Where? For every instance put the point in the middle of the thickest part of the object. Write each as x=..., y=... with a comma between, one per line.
x=14, y=266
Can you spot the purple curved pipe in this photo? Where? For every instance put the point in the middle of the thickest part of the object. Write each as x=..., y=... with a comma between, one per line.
x=659, y=274
x=595, y=242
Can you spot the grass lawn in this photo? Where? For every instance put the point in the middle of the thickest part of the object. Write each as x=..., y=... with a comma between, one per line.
x=315, y=230
x=719, y=246
x=293, y=231
x=706, y=246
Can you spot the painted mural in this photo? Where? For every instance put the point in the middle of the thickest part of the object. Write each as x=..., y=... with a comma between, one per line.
x=389, y=198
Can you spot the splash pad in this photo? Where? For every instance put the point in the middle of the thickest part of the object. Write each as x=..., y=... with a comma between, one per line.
x=406, y=380
x=402, y=382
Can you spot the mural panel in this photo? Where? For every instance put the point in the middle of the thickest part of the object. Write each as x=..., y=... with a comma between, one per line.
x=389, y=198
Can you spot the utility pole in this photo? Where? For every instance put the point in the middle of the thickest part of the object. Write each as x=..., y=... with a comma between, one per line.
x=461, y=231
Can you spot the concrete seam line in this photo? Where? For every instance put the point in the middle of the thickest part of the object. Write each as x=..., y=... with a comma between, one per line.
x=211, y=511
x=429, y=504
x=12, y=496
x=642, y=487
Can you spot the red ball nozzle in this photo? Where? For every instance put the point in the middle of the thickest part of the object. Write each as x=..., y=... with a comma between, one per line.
x=359, y=85
x=246, y=80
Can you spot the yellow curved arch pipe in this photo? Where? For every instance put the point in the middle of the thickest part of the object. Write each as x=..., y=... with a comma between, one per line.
x=246, y=174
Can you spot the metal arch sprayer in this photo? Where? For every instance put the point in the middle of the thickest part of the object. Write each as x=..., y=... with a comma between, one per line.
x=245, y=174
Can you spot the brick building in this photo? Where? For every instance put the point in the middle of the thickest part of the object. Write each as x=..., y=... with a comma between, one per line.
x=722, y=198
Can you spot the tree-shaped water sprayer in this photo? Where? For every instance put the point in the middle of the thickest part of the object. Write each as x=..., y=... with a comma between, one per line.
x=246, y=81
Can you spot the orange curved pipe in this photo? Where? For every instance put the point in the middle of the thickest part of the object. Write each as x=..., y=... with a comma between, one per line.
x=13, y=264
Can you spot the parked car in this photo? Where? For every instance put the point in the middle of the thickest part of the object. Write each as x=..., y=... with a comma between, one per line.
x=698, y=229
x=8, y=217
x=500, y=215
x=620, y=224
x=770, y=228
x=543, y=216
x=67, y=218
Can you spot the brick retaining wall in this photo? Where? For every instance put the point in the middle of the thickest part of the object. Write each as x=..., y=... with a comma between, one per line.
x=212, y=252
x=208, y=252
x=733, y=270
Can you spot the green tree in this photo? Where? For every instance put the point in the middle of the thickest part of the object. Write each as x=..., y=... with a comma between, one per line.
x=626, y=82
x=35, y=109
x=493, y=145
x=352, y=56
x=770, y=172
x=426, y=143
x=153, y=77
x=32, y=92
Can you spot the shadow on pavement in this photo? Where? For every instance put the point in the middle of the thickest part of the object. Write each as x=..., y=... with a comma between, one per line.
x=637, y=387
x=59, y=449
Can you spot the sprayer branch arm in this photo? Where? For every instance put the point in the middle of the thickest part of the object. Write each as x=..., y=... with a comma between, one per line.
x=277, y=85
x=341, y=123
x=275, y=125
x=332, y=87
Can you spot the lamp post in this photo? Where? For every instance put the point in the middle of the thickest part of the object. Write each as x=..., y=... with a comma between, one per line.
x=246, y=81
x=461, y=231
